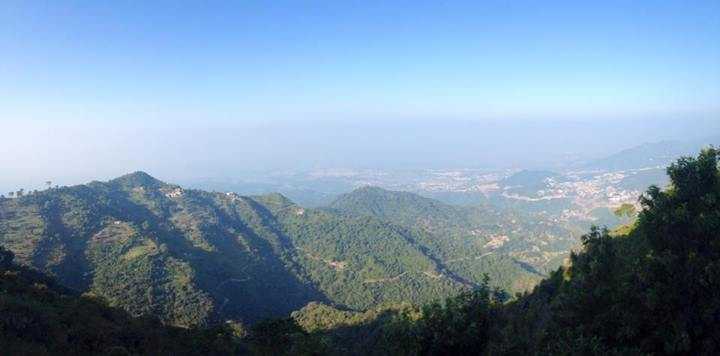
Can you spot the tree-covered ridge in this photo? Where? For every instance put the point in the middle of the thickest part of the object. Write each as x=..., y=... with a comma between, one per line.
x=469, y=241
x=650, y=288
x=196, y=258
x=154, y=248
x=654, y=290
x=39, y=317
x=412, y=210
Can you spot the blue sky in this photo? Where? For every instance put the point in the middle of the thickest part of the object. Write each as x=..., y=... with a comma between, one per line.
x=95, y=89
x=215, y=62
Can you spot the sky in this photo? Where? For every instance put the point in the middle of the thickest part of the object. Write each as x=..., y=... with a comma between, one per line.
x=184, y=87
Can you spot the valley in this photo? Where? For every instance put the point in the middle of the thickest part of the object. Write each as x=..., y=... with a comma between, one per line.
x=196, y=258
x=311, y=178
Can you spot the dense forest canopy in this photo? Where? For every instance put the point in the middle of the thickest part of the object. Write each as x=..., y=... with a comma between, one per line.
x=652, y=287
x=40, y=317
x=197, y=258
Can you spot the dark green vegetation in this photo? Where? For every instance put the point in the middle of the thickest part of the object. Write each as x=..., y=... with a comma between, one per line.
x=469, y=241
x=653, y=288
x=195, y=258
x=39, y=317
x=151, y=248
x=649, y=288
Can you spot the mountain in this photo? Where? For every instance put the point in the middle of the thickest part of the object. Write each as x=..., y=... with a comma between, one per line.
x=653, y=154
x=649, y=288
x=195, y=258
x=529, y=183
x=528, y=178
x=468, y=241
x=306, y=191
x=409, y=209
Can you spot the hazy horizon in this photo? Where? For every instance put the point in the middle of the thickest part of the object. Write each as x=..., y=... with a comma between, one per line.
x=92, y=91
x=78, y=154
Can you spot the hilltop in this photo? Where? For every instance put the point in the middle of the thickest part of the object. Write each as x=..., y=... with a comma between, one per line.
x=651, y=154
x=468, y=241
x=650, y=288
x=196, y=258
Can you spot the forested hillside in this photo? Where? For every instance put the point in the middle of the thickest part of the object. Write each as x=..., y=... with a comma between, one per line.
x=196, y=258
x=153, y=248
x=470, y=241
x=39, y=317
x=650, y=288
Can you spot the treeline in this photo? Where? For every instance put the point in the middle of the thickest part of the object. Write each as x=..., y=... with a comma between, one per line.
x=654, y=289
x=39, y=317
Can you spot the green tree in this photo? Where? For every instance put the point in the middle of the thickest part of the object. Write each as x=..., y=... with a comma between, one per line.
x=625, y=211
x=6, y=258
